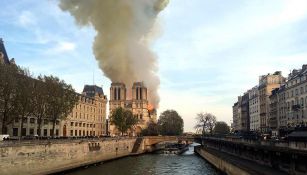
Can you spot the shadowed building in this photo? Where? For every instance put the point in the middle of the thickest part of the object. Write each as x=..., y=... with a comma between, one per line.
x=4, y=59
x=138, y=105
x=296, y=98
x=273, y=112
x=241, y=119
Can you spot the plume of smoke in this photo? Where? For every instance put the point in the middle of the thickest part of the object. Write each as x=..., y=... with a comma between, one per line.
x=125, y=29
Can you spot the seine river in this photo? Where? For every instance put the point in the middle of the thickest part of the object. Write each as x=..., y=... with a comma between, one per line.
x=152, y=164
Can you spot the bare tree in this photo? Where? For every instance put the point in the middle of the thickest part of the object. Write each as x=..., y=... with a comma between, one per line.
x=205, y=123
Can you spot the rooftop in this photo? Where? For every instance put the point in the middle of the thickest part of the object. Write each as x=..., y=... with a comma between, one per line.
x=3, y=53
x=91, y=90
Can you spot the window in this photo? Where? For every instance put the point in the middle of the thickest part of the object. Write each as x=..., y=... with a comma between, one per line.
x=57, y=122
x=83, y=133
x=45, y=132
x=57, y=132
x=23, y=132
x=79, y=132
x=94, y=125
x=71, y=123
x=25, y=120
x=76, y=124
x=31, y=131
x=46, y=122
x=15, y=131
x=83, y=124
x=32, y=120
x=71, y=132
x=76, y=133
x=51, y=132
x=16, y=120
x=302, y=90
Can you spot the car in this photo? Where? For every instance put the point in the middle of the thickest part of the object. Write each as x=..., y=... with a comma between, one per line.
x=4, y=137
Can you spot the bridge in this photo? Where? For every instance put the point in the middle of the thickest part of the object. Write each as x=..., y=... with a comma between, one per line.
x=152, y=140
x=149, y=143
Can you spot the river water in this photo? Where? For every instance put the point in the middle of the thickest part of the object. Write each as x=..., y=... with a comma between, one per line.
x=153, y=164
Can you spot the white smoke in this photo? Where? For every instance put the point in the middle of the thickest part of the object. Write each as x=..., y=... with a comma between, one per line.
x=124, y=34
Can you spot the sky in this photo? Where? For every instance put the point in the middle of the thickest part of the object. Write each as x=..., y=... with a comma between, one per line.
x=209, y=51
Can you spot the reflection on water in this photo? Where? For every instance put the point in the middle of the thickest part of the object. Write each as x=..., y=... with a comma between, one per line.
x=153, y=164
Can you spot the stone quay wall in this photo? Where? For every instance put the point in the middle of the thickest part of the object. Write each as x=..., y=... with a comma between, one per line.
x=219, y=163
x=45, y=157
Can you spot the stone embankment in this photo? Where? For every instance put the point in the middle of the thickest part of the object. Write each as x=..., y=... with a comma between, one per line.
x=45, y=157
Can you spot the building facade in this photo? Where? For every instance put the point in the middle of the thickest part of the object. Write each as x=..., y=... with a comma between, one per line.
x=266, y=84
x=254, y=109
x=273, y=112
x=235, y=116
x=88, y=118
x=245, y=118
x=138, y=104
x=296, y=98
x=281, y=110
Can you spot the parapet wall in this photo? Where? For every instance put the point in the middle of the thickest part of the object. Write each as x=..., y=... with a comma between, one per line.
x=46, y=157
x=223, y=165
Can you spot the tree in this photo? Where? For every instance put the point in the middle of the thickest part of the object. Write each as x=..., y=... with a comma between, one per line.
x=40, y=101
x=151, y=130
x=123, y=119
x=61, y=99
x=25, y=93
x=8, y=94
x=170, y=123
x=205, y=122
x=221, y=128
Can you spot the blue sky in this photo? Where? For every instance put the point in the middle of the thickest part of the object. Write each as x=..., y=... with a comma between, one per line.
x=210, y=51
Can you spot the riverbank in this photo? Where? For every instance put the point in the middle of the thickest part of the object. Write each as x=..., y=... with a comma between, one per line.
x=58, y=155
x=46, y=157
x=233, y=165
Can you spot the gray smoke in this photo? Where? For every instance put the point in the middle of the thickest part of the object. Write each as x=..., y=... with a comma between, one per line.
x=125, y=29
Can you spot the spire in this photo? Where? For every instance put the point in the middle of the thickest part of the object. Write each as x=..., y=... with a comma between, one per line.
x=3, y=55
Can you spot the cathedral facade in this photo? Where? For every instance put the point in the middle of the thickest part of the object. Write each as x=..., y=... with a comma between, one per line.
x=138, y=104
